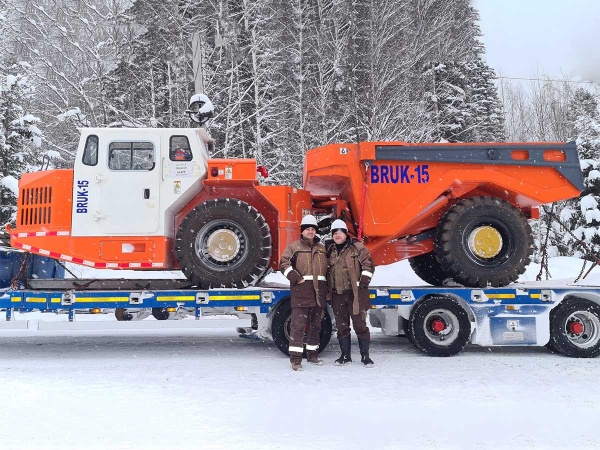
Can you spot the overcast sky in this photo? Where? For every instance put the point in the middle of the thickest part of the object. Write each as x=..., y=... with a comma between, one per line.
x=552, y=37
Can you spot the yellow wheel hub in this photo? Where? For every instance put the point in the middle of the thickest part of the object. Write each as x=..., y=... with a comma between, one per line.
x=223, y=245
x=485, y=242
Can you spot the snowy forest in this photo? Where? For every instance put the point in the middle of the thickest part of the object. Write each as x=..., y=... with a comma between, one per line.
x=284, y=76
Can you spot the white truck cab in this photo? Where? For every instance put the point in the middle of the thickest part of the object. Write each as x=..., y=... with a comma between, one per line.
x=133, y=181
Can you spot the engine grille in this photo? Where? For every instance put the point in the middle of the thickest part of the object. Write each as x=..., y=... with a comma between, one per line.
x=35, y=206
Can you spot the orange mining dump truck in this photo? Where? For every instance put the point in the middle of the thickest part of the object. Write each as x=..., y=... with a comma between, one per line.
x=152, y=199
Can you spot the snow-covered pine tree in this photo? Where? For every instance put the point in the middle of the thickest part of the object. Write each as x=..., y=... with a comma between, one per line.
x=582, y=214
x=463, y=102
x=448, y=101
x=71, y=46
x=153, y=80
x=20, y=138
x=485, y=120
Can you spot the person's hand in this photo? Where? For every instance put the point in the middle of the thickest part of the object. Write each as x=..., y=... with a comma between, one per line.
x=364, y=282
x=295, y=278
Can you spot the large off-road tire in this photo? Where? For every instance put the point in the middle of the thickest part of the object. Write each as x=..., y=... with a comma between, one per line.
x=575, y=328
x=280, y=328
x=428, y=268
x=224, y=243
x=440, y=326
x=484, y=241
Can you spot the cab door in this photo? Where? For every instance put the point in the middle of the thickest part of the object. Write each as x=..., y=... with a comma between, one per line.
x=128, y=186
x=116, y=183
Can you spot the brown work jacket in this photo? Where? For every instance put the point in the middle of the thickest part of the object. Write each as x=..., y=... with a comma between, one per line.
x=346, y=269
x=303, y=261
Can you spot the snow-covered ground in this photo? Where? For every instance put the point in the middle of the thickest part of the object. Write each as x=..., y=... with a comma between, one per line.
x=210, y=389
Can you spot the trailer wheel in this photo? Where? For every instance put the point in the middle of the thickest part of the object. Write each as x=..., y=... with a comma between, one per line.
x=440, y=326
x=484, y=241
x=428, y=268
x=224, y=243
x=280, y=328
x=161, y=313
x=122, y=315
x=575, y=328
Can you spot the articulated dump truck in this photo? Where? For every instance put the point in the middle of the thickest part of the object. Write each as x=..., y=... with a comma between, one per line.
x=153, y=199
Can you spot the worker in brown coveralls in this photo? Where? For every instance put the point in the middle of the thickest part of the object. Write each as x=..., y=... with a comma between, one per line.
x=304, y=263
x=350, y=271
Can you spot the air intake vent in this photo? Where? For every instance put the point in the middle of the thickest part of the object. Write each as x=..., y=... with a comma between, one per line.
x=35, y=206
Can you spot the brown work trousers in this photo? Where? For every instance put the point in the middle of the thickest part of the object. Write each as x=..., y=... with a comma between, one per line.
x=342, y=310
x=305, y=321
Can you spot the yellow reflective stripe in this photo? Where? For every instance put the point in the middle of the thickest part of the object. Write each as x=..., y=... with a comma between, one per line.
x=35, y=300
x=535, y=295
x=55, y=300
x=395, y=296
x=233, y=297
x=372, y=296
x=100, y=299
x=15, y=299
x=180, y=298
x=501, y=295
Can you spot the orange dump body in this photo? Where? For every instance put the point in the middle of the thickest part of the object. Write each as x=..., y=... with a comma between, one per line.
x=399, y=191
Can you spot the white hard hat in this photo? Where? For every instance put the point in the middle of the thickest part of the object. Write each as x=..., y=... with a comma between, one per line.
x=338, y=224
x=308, y=221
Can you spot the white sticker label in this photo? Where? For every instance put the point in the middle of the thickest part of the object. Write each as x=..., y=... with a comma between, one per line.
x=514, y=336
x=177, y=187
x=344, y=151
x=181, y=170
x=228, y=172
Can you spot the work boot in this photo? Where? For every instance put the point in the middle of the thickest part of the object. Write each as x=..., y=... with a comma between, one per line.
x=363, y=344
x=313, y=358
x=345, y=358
x=296, y=366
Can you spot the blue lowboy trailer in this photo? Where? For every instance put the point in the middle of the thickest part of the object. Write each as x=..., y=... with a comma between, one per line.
x=439, y=321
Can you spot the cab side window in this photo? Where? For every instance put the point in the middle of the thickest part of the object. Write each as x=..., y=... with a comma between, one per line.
x=179, y=149
x=90, y=152
x=131, y=156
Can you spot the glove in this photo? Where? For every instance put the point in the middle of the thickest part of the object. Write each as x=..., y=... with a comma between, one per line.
x=295, y=278
x=364, y=282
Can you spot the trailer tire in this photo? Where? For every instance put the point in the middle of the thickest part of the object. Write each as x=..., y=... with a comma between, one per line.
x=428, y=268
x=161, y=313
x=122, y=315
x=575, y=328
x=484, y=241
x=408, y=332
x=440, y=326
x=280, y=328
x=224, y=243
